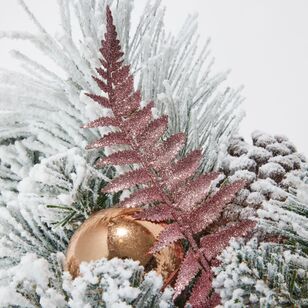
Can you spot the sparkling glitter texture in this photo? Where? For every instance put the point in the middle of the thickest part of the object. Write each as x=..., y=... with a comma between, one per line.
x=171, y=234
x=189, y=269
x=142, y=197
x=213, y=244
x=212, y=208
x=164, y=183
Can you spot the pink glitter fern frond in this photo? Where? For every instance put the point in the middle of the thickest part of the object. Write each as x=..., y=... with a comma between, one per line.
x=212, y=208
x=142, y=197
x=168, y=236
x=182, y=170
x=153, y=132
x=166, y=184
x=127, y=180
x=166, y=152
x=214, y=244
x=101, y=122
x=119, y=158
x=113, y=138
x=103, y=101
x=157, y=213
x=200, y=295
x=188, y=270
x=195, y=191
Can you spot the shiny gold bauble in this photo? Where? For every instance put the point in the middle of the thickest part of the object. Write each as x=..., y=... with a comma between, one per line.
x=115, y=233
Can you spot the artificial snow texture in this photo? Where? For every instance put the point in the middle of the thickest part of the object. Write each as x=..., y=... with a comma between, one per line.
x=267, y=275
x=114, y=283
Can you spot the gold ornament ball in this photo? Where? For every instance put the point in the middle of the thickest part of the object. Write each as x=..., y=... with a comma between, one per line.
x=113, y=233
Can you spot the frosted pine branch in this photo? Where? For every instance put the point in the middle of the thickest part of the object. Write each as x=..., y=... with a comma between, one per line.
x=267, y=274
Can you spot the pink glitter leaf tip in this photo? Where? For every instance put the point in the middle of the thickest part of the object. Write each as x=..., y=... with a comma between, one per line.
x=188, y=270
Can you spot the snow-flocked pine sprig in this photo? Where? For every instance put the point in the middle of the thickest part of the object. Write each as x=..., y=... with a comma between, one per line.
x=257, y=274
x=163, y=179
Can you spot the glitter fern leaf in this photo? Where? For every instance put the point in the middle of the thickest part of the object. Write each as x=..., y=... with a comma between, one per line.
x=166, y=183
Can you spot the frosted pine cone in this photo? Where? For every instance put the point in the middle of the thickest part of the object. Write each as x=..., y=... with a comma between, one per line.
x=272, y=167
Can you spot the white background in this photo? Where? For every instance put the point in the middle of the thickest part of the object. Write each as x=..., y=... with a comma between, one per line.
x=264, y=42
